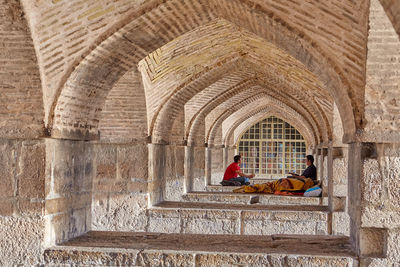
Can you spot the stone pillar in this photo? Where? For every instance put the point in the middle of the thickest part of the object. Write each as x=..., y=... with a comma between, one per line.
x=156, y=183
x=354, y=193
x=330, y=177
x=225, y=154
x=324, y=171
x=188, y=168
x=320, y=165
x=338, y=191
x=208, y=163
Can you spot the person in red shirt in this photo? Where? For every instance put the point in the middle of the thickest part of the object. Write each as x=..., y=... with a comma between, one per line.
x=233, y=171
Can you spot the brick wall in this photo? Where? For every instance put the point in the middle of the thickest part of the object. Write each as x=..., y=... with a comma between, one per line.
x=382, y=98
x=164, y=75
x=21, y=103
x=338, y=30
x=392, y=8
x=124, y=117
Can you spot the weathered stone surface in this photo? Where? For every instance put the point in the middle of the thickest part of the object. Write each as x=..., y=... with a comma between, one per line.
x=269, y=260
x=164, y=221
x=119, y=212
x=289, y=222
x=21, y=241
x=235, y=198
x=340, y=223
x=145, y=249
x=68, y=185
x=381, y=91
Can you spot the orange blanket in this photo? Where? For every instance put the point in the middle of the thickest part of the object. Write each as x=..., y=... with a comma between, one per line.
x=281, y=185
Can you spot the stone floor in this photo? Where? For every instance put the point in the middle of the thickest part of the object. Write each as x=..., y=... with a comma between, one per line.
x=155, y=249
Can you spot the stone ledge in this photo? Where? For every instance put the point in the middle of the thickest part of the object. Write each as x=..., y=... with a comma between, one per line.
x=266, y=199
x=223, y=206
x=238, y=219
x=156, y=249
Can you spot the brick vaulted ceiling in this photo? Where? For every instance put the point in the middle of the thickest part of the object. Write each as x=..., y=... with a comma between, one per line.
x=84, y=47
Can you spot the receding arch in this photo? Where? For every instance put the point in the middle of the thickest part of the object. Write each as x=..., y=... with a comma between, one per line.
x=250, y=89
x=114, y=66
x=259, y=103
x=187, y=89
x=243, y=123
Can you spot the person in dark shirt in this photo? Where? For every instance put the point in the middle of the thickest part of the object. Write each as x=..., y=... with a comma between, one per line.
x=310, y=171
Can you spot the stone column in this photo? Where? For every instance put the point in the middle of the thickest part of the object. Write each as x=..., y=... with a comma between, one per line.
x=208, y=163
x=156, y=183
x=354, y=193
x=338, y=191
x=188, y=168
x=225, y=155
x=320, y=165
x=324, y=170
x=330, y=177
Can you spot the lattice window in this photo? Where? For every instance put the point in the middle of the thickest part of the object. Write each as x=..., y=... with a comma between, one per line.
x=271, y=148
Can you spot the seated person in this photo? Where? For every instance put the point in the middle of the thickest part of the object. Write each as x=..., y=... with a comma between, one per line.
x=309, y=172
x=232, y=172
x=292, y=185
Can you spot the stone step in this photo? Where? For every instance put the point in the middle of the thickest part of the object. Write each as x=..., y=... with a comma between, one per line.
x=265, y=199
x=157, y=249
x=238, y=219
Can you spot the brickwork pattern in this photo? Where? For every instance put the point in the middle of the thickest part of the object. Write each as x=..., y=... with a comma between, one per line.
x=123, y=118
x=382, y=99
x=190, y=85
x=135, y=36
x=21, y=103
x=233, y=133
x=392, y=9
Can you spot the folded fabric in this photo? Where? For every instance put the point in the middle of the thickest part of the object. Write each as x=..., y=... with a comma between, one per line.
x=293, y=185
x=313, y=192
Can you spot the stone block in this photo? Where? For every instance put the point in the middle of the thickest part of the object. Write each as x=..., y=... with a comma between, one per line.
x=119, y=212
x=273, y=260
x=106, y=171
x=7, y=170
x=340, y=223
x=164, y=221
x=174, y=189
x=58, y=205
x=372, y=184
x=110, y=186
x=372, y=242
x=30, y=207
x=6, y=206
x=81, y=200
x=68, y=167
x=269, y=222
x=154, y=258
x=210, y=222
x=132, y=162
x=78, y=222
x=137, y=185
x=105, y=162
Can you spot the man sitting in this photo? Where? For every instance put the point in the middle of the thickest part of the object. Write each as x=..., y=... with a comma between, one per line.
x=232, y=172
x=310, y=171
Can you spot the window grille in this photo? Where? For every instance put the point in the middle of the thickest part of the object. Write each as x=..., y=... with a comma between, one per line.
x=271, y=148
